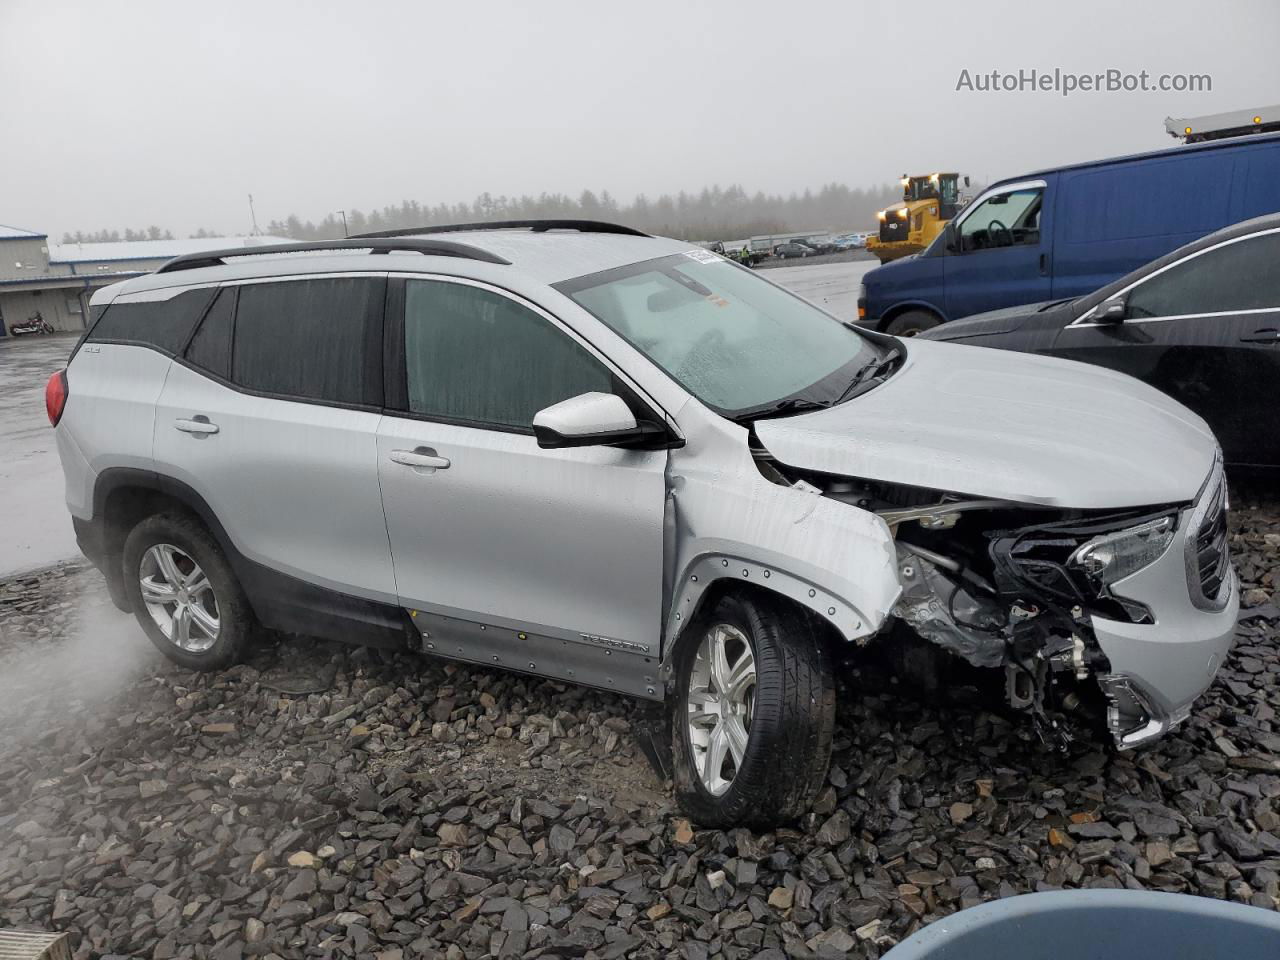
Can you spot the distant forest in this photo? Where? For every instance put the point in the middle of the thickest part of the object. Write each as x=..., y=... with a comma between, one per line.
x=114, y=236
x=714, y=213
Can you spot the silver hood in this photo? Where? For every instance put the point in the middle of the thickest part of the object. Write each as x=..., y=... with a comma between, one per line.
x=1006, y=425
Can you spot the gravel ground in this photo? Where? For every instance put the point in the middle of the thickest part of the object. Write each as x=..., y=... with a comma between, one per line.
x=326, y=801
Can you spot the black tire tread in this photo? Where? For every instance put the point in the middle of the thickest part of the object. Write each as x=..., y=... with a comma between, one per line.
x=791, y=732
x=912, y=320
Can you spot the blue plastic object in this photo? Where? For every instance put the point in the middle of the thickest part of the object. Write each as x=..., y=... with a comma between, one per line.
x=1099, y=925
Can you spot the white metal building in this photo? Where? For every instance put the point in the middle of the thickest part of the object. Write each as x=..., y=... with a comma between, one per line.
x=56, y=280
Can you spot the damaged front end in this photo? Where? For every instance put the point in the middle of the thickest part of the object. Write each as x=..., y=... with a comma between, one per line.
x=1015, y=588
x=1021, y=599
x=1116, y=616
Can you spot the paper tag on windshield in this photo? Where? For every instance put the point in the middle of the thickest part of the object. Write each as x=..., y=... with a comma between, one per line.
x=703, y=256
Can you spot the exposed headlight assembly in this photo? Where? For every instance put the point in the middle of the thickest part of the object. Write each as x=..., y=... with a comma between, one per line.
x=1113, y=556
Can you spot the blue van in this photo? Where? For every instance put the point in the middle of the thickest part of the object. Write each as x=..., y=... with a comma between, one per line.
x=1063, y=233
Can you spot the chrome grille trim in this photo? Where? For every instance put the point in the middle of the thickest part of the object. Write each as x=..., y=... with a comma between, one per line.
x=1208, y=559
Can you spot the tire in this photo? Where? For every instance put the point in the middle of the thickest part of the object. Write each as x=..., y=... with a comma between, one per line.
x=788, y=725
x=911, y=322
x=189, y=549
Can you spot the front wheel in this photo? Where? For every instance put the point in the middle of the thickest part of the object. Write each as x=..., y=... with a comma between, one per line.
x=753, y=713
x=911, y=322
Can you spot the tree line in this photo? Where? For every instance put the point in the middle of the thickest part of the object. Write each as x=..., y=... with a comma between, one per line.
x=115, y=236
x=713, y=213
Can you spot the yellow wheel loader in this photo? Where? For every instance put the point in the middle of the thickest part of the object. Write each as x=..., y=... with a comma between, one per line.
x=928, y=202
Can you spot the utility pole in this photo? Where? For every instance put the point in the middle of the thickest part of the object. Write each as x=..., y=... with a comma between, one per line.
x=343, y=214
x=253, y=218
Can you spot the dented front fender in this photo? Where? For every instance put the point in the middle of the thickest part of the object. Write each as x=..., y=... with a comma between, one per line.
x=727, y=521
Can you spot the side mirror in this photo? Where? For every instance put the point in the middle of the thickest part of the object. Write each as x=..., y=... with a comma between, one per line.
x=951, y=237
x=1112, y=311
x=587, y=420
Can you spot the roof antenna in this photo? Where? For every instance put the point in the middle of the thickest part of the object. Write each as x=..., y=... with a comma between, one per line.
x=253, y=217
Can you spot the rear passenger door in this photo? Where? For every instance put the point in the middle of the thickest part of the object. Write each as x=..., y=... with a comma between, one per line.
x=542, y=560
x=271, y=415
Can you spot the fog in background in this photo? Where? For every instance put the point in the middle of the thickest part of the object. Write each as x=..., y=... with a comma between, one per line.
x=120, y=114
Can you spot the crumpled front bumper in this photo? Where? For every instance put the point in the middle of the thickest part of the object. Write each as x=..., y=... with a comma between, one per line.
x=1159, y=669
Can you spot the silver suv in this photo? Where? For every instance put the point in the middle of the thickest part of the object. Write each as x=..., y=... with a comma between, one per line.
x=577, y=451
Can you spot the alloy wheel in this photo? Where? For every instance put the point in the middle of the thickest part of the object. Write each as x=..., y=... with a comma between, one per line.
x=722, y=684
x=179, y=597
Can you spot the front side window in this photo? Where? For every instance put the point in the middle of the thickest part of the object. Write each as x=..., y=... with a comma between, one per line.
x=949, y=190
x=1003, y=220
x=475, y=356
x=1238, y=276
x=307, y=338
x=735, y=341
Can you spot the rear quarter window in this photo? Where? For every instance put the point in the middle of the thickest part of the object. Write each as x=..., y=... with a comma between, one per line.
x=162, y=324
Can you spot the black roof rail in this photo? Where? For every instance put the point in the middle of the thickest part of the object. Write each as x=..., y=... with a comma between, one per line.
x=431, y=248
x=537, y=226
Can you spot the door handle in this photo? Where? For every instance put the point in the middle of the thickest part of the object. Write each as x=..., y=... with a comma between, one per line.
x=422, y=457
x=198, y=425
x=1044, y=265
x=1266, y=335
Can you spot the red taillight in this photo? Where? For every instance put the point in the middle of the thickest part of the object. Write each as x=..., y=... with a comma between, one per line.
x=55, y=396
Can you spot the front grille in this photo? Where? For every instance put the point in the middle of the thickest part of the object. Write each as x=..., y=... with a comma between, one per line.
x=893, y=229
x=1208, y=558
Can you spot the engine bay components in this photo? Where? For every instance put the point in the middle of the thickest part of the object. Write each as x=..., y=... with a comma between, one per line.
x=943, y=609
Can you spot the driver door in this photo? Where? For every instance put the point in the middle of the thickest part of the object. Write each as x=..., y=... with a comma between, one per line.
x=512, y=553
x=1003, y=258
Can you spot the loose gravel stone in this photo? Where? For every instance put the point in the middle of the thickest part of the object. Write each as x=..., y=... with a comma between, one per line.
x=403, y=808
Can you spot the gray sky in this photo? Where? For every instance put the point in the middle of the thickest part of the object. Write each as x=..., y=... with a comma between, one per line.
x=119, y=114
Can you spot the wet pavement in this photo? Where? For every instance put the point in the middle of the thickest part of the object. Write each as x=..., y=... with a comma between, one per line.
x=832, y=286
x=35, y=529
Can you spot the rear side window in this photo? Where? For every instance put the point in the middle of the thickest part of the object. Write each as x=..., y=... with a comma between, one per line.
x=479, y=357
x=210, y=348
x=313, y=339
x=163, y=324
x=1238, y=276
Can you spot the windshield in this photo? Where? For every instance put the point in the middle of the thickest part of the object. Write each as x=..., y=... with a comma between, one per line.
x=736, y=342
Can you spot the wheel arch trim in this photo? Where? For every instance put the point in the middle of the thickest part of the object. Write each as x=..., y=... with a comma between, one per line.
x=719, y=570
x=902, y=306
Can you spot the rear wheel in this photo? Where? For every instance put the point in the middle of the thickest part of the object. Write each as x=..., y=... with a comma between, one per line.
x=911, y=322
x=753, y=713
x=184, y=594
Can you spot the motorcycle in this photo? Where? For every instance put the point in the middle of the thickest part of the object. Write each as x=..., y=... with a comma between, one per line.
x=35, y=324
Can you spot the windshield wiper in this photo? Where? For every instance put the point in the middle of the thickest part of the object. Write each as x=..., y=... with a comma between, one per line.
x=793, y=404
x=869, y=371
x=789, y=405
